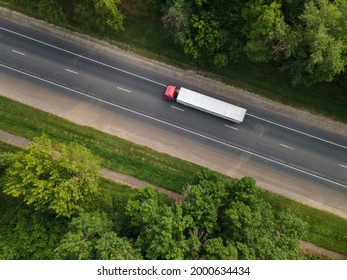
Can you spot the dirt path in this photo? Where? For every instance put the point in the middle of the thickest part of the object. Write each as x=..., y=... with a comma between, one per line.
x=314, y=250
x=130, y=181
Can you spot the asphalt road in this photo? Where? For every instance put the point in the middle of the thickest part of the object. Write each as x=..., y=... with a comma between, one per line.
x=271, y=140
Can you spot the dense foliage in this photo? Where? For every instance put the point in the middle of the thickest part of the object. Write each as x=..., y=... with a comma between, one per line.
x=95, y=15
x=217, y=218
x=61, y=183
x=306, y=38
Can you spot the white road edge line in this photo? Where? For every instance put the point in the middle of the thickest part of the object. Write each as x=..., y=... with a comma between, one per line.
x=231, y=127
x=344, y=166
x=285, y=146
x=123, y=89
x=181, y=128
x=176, y=108
x=298, y=131
x=71, y=71
x=17, y=52
x=83, y=57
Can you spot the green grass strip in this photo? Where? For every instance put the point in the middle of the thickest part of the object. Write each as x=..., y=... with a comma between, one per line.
x=325, y=229
x=116, y=154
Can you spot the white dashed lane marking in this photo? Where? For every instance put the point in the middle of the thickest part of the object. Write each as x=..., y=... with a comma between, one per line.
x=231, y=127
x=71, y=71
x=173, y=107
x=285, y=146
x=123, y=89
x=17, y=52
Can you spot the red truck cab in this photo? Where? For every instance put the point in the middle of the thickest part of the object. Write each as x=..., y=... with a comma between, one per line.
x=171, y=93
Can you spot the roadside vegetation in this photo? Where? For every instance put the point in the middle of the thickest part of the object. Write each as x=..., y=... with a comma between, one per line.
x=317, y=226
x=115, y=153
x=293, y=52
x=55, y=205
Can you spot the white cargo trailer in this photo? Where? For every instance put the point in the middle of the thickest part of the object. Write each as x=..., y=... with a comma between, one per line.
x=205, y=103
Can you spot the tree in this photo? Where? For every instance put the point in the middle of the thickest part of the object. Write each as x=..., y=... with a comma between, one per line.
x=4, y=162
x=207, y=28
x=26, y=234
x=63, y=183
x=159, y=226
x=143, y=208
x=99, y=15
x=251, y=229
x=52, y=11
x=90, y=237
x=252, y=225
x=289, y=230
x=112, y=247
x=218, y=219
x=317, y=49
x=164, y=239
x=243, y=190
x=265, y=30
x=216, y=250
x=202, y=201
x=177, y=20
x=206, y=37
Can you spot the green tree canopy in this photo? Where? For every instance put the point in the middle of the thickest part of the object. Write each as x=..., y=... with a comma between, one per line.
x=177, y=19
x=202, y=201
x=252, y=225
x=90, y=237
x=317, y=49
x=215, y=249
x=99, y=15
x=266, y=30
x=305, y=38
x=207, y=36
x=62, y=182
x=165, y=238
x=26, y=234
x=160, y=226
x=143, y=208
x=218, y=219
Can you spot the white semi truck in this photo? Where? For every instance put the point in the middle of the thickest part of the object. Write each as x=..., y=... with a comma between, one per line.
x=205, y=103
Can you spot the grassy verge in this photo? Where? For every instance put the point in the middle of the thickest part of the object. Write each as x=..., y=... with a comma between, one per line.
x=326, y=230
x=117, y=154
x=112, y=199
x=8, y=148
